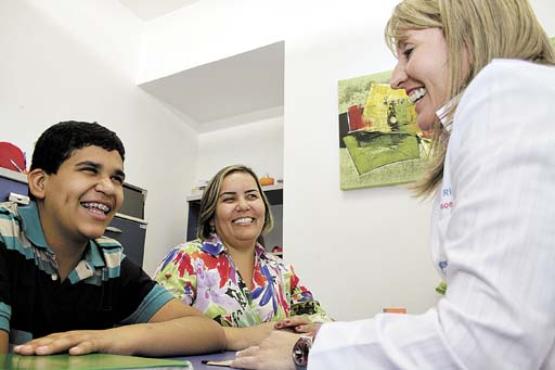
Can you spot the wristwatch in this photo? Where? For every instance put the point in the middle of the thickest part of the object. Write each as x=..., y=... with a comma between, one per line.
x=300, y=352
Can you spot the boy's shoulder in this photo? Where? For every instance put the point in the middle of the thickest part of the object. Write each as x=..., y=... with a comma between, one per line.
x=9, y=209
x=10, y=221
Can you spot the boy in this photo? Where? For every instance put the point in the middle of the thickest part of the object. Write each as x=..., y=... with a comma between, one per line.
x=58, y=273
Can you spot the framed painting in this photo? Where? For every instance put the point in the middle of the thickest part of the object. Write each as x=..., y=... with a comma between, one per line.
x=380, y=143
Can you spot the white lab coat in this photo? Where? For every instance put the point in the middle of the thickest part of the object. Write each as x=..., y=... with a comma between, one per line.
x=493, y=240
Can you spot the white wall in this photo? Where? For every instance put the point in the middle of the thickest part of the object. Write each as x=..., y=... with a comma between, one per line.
x=367, y=248
x=60, y=61
x=207, y=31
x=258, y=145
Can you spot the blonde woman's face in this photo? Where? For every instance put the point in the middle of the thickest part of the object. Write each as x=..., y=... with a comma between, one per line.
x=422, y=72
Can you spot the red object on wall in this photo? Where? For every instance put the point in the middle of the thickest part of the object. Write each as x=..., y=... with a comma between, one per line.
x=11, y=157
x=355, y=118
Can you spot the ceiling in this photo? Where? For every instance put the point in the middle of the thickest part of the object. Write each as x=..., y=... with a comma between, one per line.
x=150, y=9
x=243, y=88
x=240, y=85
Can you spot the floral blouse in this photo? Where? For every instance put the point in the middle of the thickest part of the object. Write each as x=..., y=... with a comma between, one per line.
x=202, y=274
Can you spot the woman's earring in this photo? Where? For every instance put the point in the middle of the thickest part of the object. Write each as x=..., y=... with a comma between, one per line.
x=212, y=228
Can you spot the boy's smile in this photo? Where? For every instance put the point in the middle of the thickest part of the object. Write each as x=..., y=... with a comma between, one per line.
x=80, y=200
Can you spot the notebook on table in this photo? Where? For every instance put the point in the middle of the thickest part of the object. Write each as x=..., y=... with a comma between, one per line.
x=94, y=361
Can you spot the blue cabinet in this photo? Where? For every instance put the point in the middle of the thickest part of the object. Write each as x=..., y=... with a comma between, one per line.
x=130, y=232
x=12, y=183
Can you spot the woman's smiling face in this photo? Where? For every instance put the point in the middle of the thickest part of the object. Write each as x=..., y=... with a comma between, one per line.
x=422, y=72
x=240, y=211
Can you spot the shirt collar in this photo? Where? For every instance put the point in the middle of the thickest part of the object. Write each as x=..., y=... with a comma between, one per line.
x=442, y=113
x=214, y=246
x=93, y=255
x=31, y=225
x=33, y=231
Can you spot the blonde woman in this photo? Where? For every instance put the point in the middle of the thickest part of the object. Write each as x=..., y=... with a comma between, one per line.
x=481, y=74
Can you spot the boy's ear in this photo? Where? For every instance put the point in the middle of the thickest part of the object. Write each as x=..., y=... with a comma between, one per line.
x=37, y=179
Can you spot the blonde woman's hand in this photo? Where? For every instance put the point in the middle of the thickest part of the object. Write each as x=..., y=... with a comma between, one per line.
x=298, y=324
x=274, y=352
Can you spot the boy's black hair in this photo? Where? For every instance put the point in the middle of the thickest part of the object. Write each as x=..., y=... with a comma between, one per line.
x=58, y=142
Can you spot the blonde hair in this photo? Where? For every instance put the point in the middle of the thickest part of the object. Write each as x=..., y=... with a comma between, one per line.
x=485, y=29
x=209, y=202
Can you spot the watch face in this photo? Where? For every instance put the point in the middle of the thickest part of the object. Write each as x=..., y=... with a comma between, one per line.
x=300, y=351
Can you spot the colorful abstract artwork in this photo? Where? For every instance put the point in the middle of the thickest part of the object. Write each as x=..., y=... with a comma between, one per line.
x=380, y=143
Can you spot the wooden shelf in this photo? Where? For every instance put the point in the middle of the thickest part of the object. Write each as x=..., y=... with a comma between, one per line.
x=13, y=175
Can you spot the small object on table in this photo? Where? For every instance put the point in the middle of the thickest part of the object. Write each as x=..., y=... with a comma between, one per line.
x=401, y=310
x=224, y=363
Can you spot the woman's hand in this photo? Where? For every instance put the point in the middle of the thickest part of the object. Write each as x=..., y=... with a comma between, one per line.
x=274, y=352
x=298, y=324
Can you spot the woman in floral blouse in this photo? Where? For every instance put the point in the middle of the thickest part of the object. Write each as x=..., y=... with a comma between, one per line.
x=226, y=273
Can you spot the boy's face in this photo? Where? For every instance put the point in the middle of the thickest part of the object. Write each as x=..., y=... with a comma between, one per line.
x=80, y=200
